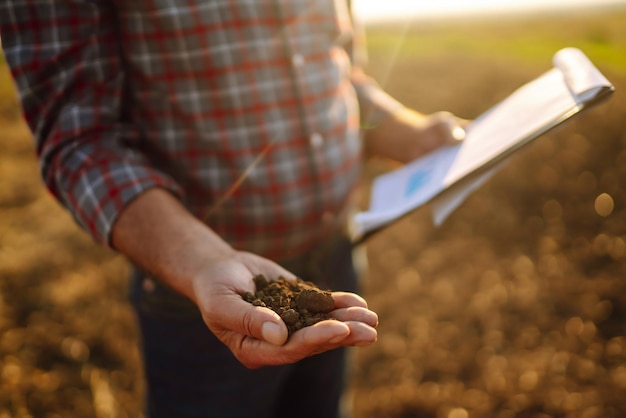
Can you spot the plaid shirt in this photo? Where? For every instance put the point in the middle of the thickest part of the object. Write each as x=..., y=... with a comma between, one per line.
x=248, y=110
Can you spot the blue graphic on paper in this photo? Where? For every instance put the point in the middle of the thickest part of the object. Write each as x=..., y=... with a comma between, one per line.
x=416, y=181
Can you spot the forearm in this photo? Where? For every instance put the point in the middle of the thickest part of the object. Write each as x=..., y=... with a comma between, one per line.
x=406, y=134
x=390, y=130
x=157, y=233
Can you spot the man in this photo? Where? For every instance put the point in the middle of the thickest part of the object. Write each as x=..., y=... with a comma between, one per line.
x=211, y=141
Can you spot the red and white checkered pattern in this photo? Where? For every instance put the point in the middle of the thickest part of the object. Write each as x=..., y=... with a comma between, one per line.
x=248, y=110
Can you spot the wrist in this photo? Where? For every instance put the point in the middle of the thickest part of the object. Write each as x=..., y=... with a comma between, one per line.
x=393, y=136
x=159, y=235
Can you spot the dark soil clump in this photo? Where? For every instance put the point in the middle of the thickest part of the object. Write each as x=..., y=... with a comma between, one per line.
x=299, y=303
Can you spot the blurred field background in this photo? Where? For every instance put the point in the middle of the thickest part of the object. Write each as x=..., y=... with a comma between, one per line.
x=514, y=308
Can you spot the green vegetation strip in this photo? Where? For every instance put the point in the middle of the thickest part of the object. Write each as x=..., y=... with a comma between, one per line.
x=532, y=39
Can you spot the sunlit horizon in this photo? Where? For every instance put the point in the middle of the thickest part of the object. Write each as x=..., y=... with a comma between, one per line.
x=373, y=10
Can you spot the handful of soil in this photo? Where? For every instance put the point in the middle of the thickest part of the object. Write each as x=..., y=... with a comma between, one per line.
x=299, y=303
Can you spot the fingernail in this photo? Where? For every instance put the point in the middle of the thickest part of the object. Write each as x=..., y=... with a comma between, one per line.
x=458, y=133
x=273, y=333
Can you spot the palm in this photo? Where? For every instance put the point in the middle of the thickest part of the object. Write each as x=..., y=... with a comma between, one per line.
x=240, y=325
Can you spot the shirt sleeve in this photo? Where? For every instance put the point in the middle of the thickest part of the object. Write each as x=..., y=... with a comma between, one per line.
x=374, y=102
x=66, y=62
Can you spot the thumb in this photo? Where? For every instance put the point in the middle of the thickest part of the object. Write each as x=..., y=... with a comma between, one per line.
x=274, y=332
x=451, y=129
x=240, y=317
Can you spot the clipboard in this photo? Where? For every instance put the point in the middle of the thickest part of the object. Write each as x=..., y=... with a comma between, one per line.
x=447, y=176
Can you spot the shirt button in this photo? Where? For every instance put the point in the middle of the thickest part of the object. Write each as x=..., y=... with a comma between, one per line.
x=297, y=60
x=316, y=140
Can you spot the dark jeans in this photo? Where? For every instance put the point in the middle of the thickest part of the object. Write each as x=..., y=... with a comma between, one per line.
x=190, y=373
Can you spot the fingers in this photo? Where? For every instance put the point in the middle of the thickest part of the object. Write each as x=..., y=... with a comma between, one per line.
x=448, y=127
x=308, y=341
x=353, y=325
x=264, y=324
x=346, y=299
x=318, y=338
x=352, y=307
x=361, y=335
x=356, y=314
x=457, y=132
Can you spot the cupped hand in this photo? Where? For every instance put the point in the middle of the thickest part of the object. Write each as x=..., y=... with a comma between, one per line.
x=257, y=336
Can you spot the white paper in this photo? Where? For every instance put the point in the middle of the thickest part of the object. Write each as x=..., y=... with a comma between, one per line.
x=396, y=193
x=526, y=114
x=511, y=123
x=450, y=199
x=581, y=77
x=514, y=119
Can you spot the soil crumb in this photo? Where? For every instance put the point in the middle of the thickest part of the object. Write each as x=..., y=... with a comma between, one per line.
x=299, y=303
